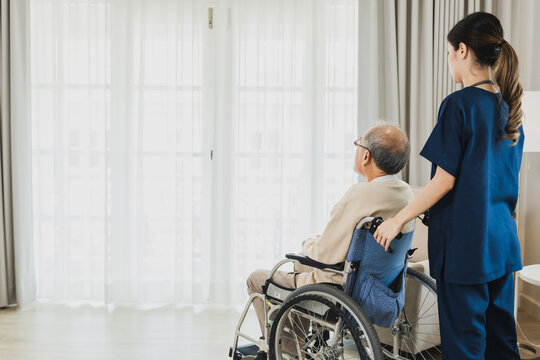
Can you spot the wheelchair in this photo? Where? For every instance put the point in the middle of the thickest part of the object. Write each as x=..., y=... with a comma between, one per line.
x=373, y=315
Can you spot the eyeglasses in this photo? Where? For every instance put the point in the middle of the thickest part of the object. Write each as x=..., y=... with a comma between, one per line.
x=357, y=143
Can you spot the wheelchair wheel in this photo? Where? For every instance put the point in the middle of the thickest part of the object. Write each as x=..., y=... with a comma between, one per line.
x=322, y=322
x=415, y=334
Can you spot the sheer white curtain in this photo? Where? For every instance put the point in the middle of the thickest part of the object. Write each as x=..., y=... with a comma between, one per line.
x=294, y=115
x=174, y=154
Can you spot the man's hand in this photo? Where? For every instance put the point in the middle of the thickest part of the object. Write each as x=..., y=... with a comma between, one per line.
x=387, y=231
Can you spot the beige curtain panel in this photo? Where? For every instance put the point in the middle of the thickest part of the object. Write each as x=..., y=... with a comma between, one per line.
x=17, y=278
x=7, y=266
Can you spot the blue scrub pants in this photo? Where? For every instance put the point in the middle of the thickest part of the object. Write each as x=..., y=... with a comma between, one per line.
x=477, y=321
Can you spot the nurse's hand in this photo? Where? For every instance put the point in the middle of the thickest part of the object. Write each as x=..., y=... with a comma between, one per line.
x=387, y=231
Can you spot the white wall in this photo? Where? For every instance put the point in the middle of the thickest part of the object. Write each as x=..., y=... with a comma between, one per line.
x=529, y=226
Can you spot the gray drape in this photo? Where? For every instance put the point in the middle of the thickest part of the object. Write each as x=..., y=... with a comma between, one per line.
x=7, y=265
x=17, y=278
x=403, y=73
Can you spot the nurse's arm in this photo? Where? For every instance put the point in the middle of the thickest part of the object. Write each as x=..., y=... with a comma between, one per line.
x=439, y=186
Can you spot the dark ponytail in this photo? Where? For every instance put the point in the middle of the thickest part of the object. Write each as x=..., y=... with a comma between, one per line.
x=507, y=78
x=483, y=34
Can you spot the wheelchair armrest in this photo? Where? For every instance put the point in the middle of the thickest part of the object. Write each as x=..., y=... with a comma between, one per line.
x=304, y=260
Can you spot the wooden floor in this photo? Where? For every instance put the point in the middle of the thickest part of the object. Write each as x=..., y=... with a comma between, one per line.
x=50, y=331
x=531, y=329
x=59, y=332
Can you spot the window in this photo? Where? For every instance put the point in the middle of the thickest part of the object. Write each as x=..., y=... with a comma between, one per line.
x=170, y=158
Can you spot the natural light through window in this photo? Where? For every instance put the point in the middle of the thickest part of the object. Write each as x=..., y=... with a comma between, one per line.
x=170, y=158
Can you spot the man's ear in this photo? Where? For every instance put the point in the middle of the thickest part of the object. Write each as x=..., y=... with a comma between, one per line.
x=366, y=158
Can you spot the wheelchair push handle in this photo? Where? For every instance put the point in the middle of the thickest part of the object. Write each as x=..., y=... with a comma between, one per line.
x=425, y=219
x=375, y=224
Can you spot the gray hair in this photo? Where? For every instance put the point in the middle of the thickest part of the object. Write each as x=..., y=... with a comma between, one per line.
x=389, y=148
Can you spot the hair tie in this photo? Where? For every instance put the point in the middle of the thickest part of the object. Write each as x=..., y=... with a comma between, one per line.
x=498, y=47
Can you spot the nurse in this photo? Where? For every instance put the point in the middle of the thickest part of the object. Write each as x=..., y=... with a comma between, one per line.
x=475, y=150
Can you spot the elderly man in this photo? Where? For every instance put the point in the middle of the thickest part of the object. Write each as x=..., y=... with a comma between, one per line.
x=380, y=154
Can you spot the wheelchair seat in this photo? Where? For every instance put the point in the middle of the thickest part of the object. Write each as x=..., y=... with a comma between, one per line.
x=278, y=293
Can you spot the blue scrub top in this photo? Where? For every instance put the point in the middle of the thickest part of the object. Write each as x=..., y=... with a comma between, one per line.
x=472, y=233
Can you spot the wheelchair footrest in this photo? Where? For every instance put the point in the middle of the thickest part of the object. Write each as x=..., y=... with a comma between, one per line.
x=244, y=350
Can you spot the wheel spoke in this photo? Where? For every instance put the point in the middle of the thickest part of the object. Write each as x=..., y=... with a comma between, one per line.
x=302, y=331
x=420, y=316
x=416, y=338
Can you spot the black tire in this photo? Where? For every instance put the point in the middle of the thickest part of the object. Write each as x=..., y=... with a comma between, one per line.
x=340, y=307
x=417, y=329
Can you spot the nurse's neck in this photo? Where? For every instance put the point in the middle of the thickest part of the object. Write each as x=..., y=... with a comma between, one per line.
x=479, y=75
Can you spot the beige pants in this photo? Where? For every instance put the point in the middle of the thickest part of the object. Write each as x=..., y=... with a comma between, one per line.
x=255, y=282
